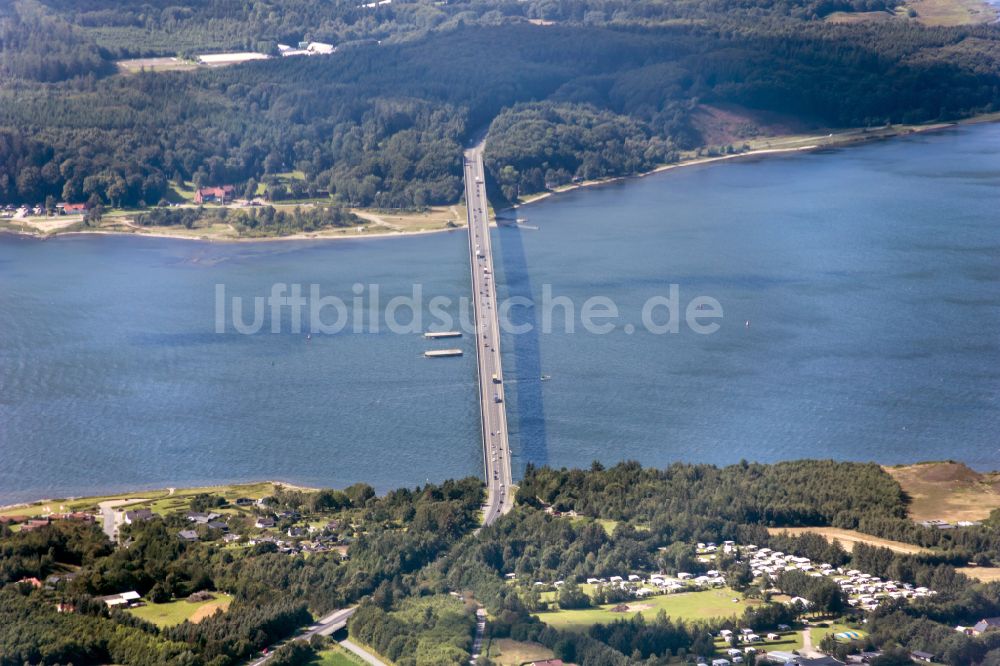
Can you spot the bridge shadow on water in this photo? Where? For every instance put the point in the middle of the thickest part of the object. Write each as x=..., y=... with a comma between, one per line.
x=526, y=413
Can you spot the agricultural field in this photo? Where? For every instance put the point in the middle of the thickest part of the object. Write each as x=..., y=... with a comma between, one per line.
x=136, y=65
x=951, y=12
x=175, y=612
x=704, y=605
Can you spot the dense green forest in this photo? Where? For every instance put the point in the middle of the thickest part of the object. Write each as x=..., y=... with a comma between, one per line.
x=610, y=88
x=420, y=569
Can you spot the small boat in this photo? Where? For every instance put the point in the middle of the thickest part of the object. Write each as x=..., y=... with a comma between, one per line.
x=546, y=378
x=748, y=323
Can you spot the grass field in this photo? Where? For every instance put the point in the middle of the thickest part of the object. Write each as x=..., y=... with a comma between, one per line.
x=175, y=612
x=158, y=500
x=336, y=656
x=947, y=491
x=436, y=217
x=848, y=538
x=686, y=605
x=790, y=640
x=507, y=652
x=817, y=634
x=951, y=12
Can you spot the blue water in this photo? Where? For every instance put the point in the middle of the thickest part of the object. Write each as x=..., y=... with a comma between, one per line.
x=112, y=375
x=870, y=277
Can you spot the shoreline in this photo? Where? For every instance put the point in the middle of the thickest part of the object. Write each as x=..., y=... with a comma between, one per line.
x=832, y=140
x=136, y=494
x=319, y=236
x=149, y=494
x=818, y=142
x=698, y=161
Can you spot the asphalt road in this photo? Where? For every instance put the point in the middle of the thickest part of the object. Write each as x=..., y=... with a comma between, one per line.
x=496, y=447
x=325, y=626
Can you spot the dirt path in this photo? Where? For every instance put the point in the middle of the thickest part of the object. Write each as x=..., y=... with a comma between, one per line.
x=375, y=219
x=807, y=645
x=364, y=654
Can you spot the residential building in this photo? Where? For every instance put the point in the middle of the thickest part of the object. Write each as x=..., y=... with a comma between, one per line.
x=220, y=195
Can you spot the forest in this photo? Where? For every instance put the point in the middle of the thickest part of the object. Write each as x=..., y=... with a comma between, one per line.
x=419, y=569
x=610, y=88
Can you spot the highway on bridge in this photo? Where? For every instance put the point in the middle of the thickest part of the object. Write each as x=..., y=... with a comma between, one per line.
x=492, y=405
x=331, y=623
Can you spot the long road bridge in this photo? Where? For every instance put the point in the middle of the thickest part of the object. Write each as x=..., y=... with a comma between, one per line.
x=492, y=405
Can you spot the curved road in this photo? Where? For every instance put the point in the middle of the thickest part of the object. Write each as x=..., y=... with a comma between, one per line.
x=496, y=447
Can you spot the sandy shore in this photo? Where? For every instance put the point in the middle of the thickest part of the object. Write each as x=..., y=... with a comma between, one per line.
x=320, y=236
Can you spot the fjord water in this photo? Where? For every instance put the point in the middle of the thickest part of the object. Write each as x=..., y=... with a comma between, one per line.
x=870, y=278
x=113, y=377
x=861, y=299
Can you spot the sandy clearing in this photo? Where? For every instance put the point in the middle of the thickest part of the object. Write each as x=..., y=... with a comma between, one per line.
x=848, y=538
x=947, y=491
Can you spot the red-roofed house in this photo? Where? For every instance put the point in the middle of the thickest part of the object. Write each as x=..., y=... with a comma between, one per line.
x=6, y=520
x=71, y=208
x=221, y=195
x=34, y=524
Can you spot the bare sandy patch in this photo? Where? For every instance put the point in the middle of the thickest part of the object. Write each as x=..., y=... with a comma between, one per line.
x=208, y=610
x=948, y=491
x=985, y=574
x=725, y=124
x=49, y=224
x=508, y=652
x=848, y=538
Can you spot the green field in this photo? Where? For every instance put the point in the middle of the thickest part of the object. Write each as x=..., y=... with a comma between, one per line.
x=336, y=656
x=158, y=500
x=819, y=632
x=790, y=640
x=175, y=612
x=686, y=605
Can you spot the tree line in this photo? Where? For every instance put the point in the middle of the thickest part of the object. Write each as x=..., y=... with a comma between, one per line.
x=383, y=125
